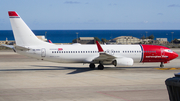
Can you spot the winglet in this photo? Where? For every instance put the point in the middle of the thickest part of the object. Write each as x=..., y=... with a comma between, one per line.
x=13, y=13
x=99, y=47
x=49, y=41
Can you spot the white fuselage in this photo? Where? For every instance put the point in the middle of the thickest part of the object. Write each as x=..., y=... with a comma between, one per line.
x=82, y=53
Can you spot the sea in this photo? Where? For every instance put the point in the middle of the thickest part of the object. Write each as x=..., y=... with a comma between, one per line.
x=66, y=36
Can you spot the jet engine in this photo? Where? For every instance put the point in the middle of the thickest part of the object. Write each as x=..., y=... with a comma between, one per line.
x=123, y=62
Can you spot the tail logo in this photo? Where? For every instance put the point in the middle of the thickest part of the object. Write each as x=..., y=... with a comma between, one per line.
x=13, y=14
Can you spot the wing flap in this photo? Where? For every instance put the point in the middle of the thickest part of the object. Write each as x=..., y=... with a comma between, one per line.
x=104, y=56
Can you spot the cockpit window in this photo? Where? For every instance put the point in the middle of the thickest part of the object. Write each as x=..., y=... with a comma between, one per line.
x=168, y=50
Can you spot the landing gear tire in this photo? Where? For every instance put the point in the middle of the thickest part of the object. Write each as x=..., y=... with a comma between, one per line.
x=92, y=66
x=161, y=65
x=100, y=67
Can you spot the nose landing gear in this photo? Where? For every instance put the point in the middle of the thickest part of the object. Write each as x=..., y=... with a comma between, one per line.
x=161, y=65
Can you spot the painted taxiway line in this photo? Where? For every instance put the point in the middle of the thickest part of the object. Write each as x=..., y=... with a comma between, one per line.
x=167, y=68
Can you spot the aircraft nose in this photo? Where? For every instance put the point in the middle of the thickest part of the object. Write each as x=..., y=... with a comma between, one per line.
x=175, y=55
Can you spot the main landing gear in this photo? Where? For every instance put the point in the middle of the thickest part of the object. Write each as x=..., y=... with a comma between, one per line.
x=161, y=65
x=92, y=66
x=100, y=67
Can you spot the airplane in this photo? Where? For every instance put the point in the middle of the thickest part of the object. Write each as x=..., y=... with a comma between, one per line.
x=118, y=55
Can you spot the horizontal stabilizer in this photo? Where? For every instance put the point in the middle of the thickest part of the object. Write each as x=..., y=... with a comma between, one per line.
x=21, y=48
x=16, y=47
x=9, y=46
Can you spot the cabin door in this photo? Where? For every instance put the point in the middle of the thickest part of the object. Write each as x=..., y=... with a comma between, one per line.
x=43, y=52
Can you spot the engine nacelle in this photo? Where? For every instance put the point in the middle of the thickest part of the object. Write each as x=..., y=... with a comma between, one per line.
x=123, y=62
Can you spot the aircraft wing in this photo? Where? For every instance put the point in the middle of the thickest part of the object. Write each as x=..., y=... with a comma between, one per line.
x=103, y=57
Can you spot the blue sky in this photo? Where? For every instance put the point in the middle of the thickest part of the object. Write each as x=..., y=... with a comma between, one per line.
x=93, y=14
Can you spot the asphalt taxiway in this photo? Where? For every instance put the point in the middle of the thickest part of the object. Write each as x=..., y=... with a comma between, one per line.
x=27, y=79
